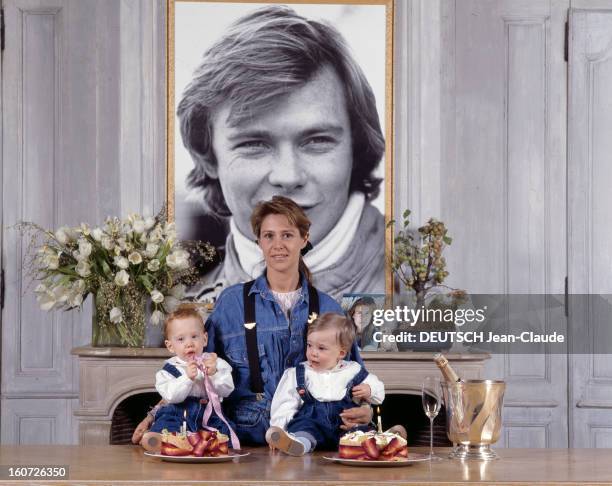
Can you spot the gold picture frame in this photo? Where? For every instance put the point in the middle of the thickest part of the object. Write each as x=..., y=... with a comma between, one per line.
x=176, y=169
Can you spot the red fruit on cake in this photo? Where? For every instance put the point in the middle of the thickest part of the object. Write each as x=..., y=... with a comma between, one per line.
x=373, y=446
x=204, y=443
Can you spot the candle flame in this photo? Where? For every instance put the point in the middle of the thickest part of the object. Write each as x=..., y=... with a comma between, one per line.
x=378, y=410
x=184, y=414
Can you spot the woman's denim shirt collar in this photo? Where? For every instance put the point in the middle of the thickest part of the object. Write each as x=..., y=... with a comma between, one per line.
x=261, y=286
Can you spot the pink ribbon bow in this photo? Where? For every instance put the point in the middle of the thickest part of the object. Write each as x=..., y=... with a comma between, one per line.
x=214, y=403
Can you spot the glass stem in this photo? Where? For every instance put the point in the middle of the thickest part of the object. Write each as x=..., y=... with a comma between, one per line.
x=430, y=437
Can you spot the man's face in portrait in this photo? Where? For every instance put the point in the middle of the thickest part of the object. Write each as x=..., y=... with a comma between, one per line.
x=300, y=147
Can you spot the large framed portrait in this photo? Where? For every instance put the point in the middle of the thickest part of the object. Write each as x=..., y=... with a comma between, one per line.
x=291, y=98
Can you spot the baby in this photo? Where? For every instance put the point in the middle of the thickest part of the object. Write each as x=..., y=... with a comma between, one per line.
x=181, y=382
x=309, y=398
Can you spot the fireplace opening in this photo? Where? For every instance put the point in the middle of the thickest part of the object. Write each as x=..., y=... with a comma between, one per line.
x=407, y=410
x=128, y=414
x=401, y=409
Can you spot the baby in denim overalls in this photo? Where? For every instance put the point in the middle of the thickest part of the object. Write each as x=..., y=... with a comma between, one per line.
x=181, y=382
x=309, y=398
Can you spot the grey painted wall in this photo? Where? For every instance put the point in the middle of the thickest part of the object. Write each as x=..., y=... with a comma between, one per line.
x=480, y=90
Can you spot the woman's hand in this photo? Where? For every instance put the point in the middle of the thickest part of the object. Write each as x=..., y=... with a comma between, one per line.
x=356, y=416
x=146, y=423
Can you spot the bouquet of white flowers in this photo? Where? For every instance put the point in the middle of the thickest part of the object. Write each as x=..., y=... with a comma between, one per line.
x=123, y=263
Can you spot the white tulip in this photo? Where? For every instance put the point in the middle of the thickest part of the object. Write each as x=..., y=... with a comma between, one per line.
x=149, y=222
x=178, y=259
x=153, y=265
x=40, y=288
x=62, y=235
x=139, y=226
x=84, y=247
x=79, y=286
x=61, y=293
x=83, y=268
x=85, y=229
x=155, y=234
x=107, y=242
x=121, y=262
x=157, y=317
x=46, y=301
x=171, y=233
x=157, y=296
x=151, y=250
x=97, y=234
x=116, y=316
x=135, y=258
x=122, y=278
x=52, y=262
x=75, y=300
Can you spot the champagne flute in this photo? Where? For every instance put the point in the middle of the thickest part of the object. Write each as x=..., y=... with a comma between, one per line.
x=432, y=401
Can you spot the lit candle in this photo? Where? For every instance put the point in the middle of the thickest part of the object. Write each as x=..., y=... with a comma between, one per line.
x=379, y=420
x=184, y=428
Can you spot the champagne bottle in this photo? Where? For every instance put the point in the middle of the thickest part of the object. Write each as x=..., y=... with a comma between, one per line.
x=446, y=369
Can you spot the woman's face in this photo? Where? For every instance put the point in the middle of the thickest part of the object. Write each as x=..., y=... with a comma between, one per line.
x=281, y=243
x=362, y=316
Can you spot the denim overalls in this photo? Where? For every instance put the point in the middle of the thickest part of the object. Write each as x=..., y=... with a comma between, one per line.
x=319, y=421
x=171, y=416
x=281, y=345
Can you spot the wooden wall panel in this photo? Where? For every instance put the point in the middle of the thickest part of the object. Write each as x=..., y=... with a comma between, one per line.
x=502, y=176
x=37, y=421
x=77, y=120
x=589, y=173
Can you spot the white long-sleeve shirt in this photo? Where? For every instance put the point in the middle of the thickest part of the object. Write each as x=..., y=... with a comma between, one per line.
x=324, y=386
x=176, y=390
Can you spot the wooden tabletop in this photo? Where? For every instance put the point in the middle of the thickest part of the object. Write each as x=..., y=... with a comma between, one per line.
x=120, y=465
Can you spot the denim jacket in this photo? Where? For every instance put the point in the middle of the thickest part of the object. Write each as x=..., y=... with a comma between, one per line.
x=281, y=346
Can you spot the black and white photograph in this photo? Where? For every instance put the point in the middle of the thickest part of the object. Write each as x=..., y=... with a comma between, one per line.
x=283, y=99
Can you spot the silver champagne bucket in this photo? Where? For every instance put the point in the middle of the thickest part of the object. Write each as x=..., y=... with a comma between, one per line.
x=474, y=417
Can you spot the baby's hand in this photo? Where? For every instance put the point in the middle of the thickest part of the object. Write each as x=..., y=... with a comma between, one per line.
x=362, y=391
x=210, y=363
x=192, y=370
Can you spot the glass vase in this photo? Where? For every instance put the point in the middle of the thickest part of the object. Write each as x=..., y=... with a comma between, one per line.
x=129, y=333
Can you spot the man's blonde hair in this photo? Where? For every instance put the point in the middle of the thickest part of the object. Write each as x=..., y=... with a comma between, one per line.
x=344, y=327
x=183, y=311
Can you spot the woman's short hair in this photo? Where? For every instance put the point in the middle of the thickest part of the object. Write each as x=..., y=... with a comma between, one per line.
x=183, y=311
x=266, y=54
x=344, y=327
x=291, y=210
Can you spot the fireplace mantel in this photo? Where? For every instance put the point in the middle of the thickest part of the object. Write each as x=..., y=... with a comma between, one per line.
x=110, y=375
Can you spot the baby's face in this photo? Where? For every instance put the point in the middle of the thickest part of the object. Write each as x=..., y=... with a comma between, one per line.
x=323, y=351
x=186, y=338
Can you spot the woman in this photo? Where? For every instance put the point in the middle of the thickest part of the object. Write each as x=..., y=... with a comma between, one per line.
x=259, y=327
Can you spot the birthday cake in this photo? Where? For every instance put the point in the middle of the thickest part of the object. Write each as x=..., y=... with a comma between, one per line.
x=373, y=446
x=203, y=443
